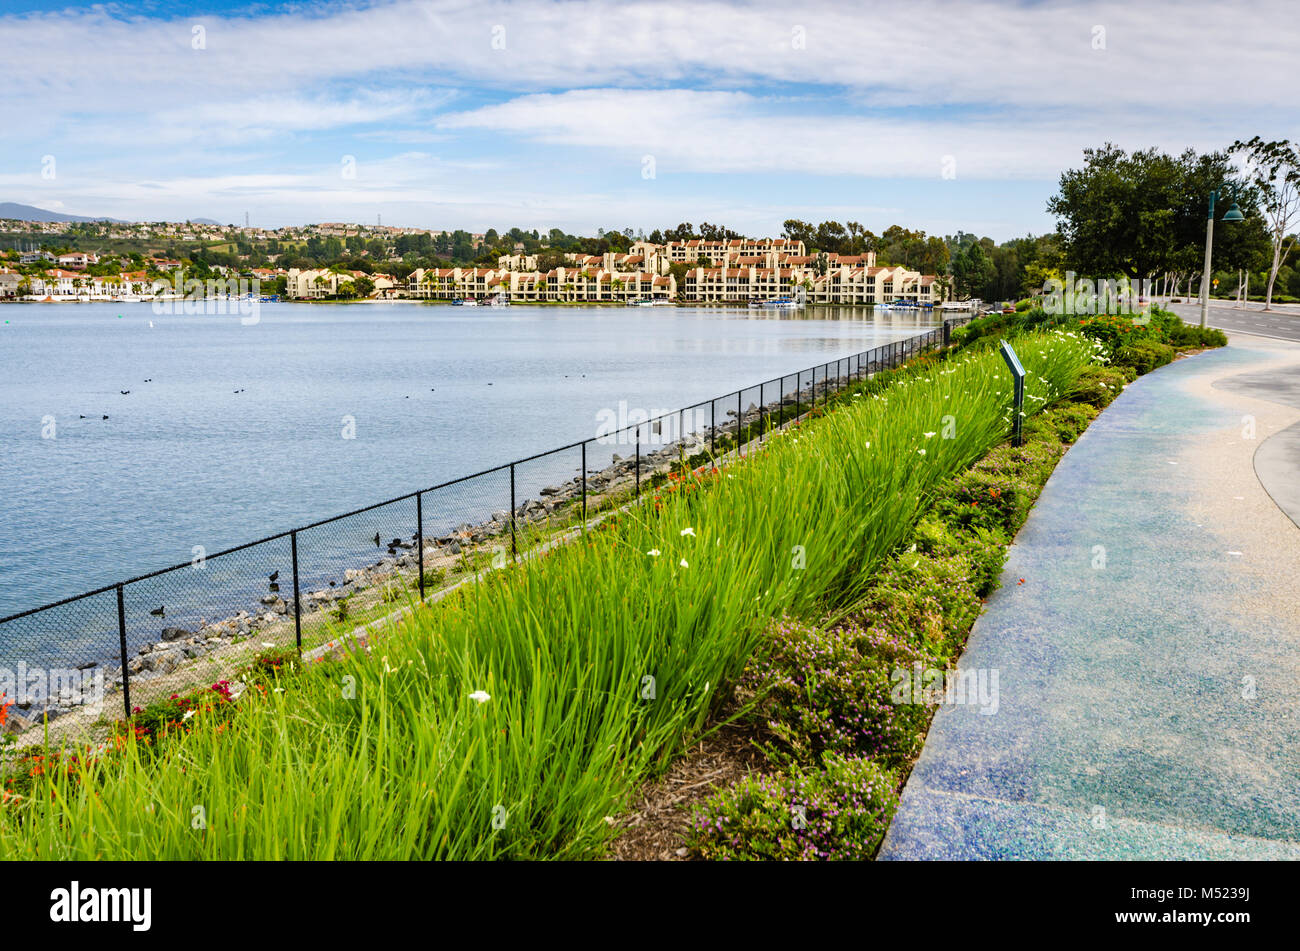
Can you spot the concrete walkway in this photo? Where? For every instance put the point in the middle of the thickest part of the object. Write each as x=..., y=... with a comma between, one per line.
x=1149, y=688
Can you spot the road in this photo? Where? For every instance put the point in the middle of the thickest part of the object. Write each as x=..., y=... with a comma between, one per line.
x=1283, y=321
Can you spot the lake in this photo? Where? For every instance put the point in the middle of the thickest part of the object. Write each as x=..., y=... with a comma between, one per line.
x=232, y=431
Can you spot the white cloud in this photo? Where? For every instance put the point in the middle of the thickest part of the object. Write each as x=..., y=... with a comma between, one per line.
x=1156, y=55
x=871, y=89
x=729, y=132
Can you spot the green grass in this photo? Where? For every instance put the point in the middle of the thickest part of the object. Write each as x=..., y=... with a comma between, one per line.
x=388, y=756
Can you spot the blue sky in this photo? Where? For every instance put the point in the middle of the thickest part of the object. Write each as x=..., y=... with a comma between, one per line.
x=579, y=114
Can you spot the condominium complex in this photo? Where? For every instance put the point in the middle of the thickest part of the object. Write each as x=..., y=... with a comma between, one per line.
x=735, y=271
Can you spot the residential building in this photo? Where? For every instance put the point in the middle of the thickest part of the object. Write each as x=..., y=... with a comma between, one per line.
x=77, y=260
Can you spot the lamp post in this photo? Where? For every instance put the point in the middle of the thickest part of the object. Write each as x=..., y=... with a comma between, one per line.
x=1234, y=214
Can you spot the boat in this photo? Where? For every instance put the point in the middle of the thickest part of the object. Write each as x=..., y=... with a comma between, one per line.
x=778, y=303
x=649, y=302
x=464, y=302
x=502, y=299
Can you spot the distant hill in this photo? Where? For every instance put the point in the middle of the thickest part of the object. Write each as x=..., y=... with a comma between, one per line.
x=204, y=221
x=10, y=209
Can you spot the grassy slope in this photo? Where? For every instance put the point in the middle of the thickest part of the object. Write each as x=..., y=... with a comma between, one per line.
x=381, y=757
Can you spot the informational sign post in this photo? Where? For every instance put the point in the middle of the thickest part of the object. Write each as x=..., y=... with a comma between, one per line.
x=1018, y=408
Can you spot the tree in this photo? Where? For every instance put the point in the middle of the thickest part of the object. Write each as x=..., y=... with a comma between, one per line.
x=972, y=271
x=363, y=286
x=796, y=230
x=1274, y=169
x=1143, y=213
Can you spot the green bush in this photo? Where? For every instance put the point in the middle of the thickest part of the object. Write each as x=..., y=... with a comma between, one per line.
x=1144, y=355
x=838, y=812
x=1119, y=332
x=1192, y=336
x=271, y=664
x=1065, y=422
x=1097, y=386
x=823, y=690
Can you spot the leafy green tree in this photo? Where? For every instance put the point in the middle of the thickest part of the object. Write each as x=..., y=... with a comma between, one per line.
x=1274, y=169
x=1143, y=213
x=973, y=272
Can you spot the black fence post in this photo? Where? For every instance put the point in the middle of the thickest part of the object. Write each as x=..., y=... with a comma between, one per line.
x=584, y=486
x=297, y=595
x=762, y=410
x=713, y=429
x=740, y=396
x=798, y=395
x=419, y=537
x=681, y=434
x=638, y=460
x=514, y=544
x=121, y=635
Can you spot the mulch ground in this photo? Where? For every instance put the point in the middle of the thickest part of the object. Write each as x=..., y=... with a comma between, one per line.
x=654, y=830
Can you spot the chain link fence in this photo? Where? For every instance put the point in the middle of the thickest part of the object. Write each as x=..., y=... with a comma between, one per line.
x=81, y=663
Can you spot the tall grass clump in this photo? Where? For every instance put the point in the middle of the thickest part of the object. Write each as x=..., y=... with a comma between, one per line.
x=514, y=718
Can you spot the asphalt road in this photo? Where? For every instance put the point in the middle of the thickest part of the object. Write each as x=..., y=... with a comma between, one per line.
x=1283, y=321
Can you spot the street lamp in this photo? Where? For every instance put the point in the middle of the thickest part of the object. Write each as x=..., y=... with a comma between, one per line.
x=1234, y=214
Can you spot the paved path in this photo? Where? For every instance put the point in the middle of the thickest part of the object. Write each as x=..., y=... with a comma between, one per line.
x=1150, y=707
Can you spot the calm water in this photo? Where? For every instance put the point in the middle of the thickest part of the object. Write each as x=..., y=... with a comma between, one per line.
x=239, y=433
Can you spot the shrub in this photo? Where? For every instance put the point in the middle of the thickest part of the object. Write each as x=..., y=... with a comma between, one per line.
x=1065, y=423
x=1114, y=330
x=838, y=812
x=993, y=496
x=1144, y=355
x=1191, y=336
x=272, y=664
x=1097, y=386
x=829, y=690
x=166, y=716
